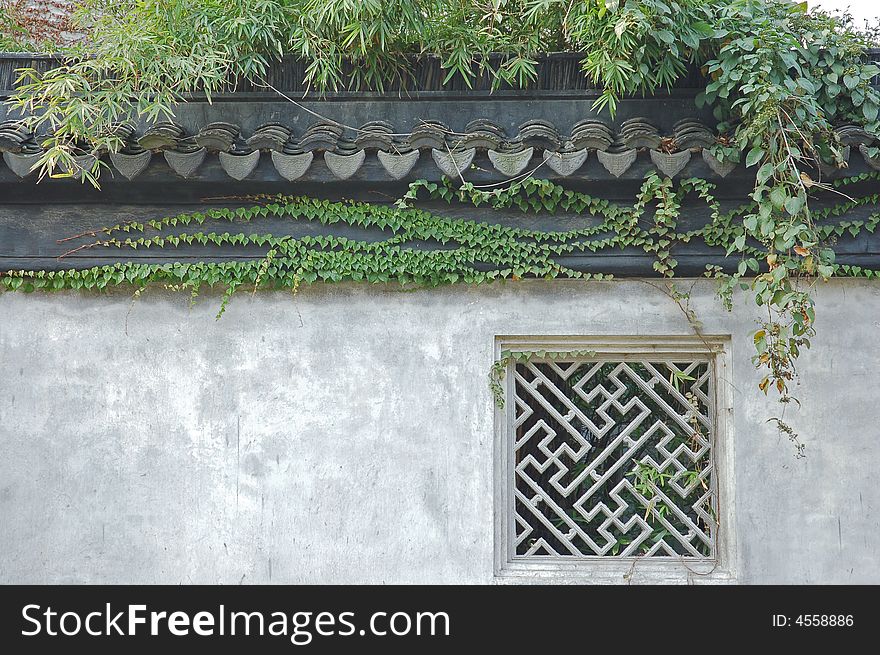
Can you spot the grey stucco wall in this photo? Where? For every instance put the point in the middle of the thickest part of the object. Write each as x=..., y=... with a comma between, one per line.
x=346, y=434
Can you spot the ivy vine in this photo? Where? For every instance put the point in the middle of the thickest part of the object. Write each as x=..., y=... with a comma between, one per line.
x=476, y=252
x=499, y=367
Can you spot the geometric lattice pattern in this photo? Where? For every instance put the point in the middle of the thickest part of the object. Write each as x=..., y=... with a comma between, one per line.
x=613, y=459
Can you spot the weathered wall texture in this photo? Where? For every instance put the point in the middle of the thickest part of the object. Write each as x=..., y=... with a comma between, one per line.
x=346, y=434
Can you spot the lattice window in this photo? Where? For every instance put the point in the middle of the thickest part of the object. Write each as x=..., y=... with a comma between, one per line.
x=610, y=455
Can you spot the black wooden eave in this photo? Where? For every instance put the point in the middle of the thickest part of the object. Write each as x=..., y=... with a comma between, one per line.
x=34, y=216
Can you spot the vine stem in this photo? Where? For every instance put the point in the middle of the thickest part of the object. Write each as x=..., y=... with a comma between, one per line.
x=93, y=233
x=81, y=247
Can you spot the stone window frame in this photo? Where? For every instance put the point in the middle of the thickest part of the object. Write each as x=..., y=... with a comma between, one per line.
x=622, y=570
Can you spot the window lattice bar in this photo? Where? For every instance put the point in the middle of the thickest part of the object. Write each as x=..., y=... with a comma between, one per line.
x=612, y=458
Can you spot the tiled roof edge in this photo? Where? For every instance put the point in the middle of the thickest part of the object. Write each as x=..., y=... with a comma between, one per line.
x=345, y=150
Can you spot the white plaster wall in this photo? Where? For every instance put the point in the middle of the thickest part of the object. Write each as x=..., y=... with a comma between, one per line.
x=346, y=434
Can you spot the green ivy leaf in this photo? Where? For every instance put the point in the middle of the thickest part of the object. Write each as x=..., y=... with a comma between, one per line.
x=754, y=156
x=778, y=197
x=794, y=204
